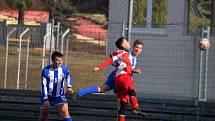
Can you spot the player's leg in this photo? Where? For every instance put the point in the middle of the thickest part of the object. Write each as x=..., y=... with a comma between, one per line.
x=64, y=111
x=62, y=106
x=43, y=114
x=108, y=85
x=133, y=99
x=135, y=105
x=102, y=89
x=121, y=91
x=122, y=111
x=44, y=109
x=94, y=89
x=85, y=91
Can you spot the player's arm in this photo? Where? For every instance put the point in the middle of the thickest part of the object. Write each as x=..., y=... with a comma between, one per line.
x=114, y=56
x=44, y=91
x=69, y=83
x=103, y=64
x=137, y=70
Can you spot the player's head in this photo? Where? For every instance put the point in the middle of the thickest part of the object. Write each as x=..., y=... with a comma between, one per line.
x=56, y=59
x=122, y=43
x=137, y=47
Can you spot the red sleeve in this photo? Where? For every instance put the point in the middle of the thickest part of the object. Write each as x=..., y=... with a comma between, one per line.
x=113, y=57
x=105, y=63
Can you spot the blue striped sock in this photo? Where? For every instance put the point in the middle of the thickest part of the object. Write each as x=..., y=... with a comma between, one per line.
x=68, y=119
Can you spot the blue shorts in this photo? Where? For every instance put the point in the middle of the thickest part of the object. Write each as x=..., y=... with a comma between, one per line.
x=54, y=100
x=110, y=81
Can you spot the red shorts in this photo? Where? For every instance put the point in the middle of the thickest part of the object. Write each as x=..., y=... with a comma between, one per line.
x=123, y=83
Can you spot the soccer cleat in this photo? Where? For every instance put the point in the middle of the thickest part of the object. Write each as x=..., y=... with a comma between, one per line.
x=138, y=113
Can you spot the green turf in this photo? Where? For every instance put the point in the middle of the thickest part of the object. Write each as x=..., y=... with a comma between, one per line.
x=79, y=63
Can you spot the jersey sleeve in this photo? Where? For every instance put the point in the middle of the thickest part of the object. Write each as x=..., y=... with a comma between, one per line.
x=68, y=79
x=113, y=57
x=105, y=63
x=44, y=91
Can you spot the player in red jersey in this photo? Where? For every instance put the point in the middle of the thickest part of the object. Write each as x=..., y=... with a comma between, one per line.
x=110, y=82
x=125, y=90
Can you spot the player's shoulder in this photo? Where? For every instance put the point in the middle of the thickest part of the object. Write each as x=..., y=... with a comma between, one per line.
x=47, y=68
x=64, y=67
x=118, y=52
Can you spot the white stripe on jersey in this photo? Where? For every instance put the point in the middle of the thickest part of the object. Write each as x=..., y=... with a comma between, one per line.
x=59, y=80
x=45, y=88
x=53, y=81
x=133, y=60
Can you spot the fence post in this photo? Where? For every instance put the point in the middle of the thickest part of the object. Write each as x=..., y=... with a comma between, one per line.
x=58, y=35
x=6, y=56
x=44, y=48
x=123, y=28
x=130, y=17
x=203, y=67
x=20, y=51
x=62, y=39
x=26, y=66
x=203, y=75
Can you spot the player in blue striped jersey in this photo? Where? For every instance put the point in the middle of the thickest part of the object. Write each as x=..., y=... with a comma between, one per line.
x=54, y=77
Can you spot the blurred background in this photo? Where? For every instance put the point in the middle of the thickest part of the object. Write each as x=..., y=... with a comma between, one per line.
x=174, y=68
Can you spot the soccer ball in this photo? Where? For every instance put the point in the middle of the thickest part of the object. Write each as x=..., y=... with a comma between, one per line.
x=204, y=44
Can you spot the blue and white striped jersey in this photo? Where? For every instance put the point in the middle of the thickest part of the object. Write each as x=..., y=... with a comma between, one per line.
x=53, y=81
x=133, y=60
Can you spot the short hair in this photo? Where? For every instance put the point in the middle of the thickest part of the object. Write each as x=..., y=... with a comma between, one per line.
x=118, y=43
x=56, y=54
x=138, y=42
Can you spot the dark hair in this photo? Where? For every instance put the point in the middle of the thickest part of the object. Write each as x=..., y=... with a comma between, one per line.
x=137, y=42
x=56, y=54
x=118, y=43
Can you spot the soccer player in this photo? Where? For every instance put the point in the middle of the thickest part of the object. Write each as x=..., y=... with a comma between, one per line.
x=110, y=84
x=52, y=92
x=122, y=77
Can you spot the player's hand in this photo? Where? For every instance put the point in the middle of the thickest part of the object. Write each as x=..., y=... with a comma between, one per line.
x=138, y=71
x=70, y=91
x=96, y=69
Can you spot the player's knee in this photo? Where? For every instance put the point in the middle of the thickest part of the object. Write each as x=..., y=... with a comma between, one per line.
x=103, y=89
x=64, y=113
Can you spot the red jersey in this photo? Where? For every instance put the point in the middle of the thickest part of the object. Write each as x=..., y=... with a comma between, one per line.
x=121, y=58
x=123, y=79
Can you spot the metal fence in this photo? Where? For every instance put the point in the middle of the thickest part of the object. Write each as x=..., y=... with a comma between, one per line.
x=170, y=62
x=26, y=50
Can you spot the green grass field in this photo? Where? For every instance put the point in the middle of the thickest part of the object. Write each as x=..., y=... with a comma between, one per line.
x=79, y=63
